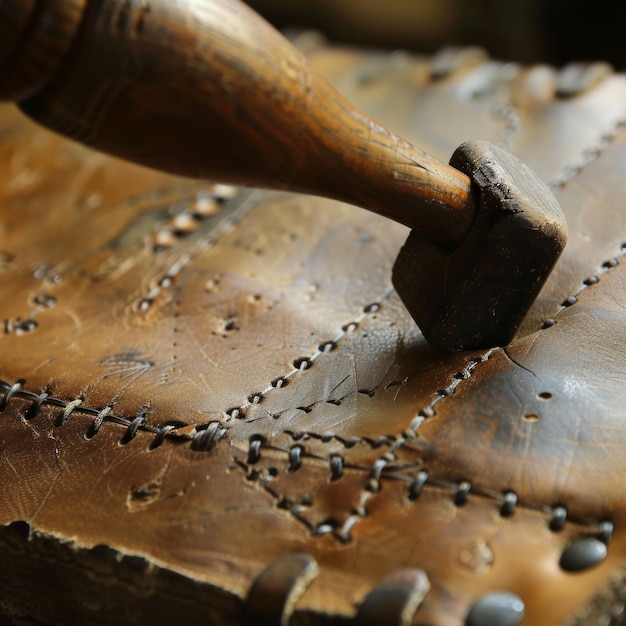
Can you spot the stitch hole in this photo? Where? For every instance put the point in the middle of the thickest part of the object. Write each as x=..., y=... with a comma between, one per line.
x=26, y=326
x=509, y=502
x=416, y=486
x=611, y=263
x=34, y=408
x=132, y=428
x=254, y=452
x=531, y=418
x=13, y=389
x=605, y=531
x=326, y=527
x=549, y=323
x=302, y=363
x=350, y=328
x=207, y=437
x=44, y=300
x=255, y=398
x=462, y=491
x=592, y=280
x=559, y=516
x=277, y=383
x=373, y=485
x=327, y=346
x=545, y=395
x=236, y=413
x=336, y=467
x=159, y=438
x=372, y=308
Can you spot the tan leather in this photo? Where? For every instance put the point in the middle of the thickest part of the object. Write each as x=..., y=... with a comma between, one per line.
x=309, y=416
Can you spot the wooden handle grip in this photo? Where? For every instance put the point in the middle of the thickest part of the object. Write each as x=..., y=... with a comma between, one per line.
x=208, y=89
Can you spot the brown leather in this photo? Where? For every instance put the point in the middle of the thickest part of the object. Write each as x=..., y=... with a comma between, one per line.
x=308, y=414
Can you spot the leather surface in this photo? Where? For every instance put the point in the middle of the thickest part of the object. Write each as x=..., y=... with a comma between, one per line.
x=308, y=413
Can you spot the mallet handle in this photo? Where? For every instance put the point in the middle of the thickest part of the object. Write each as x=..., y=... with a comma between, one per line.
x=208, y=89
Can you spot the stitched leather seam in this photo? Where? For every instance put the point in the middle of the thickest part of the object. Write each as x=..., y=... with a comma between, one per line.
x=587, y=156
x=410, y=434
x=384, y=470
x=227, y=221
x=591, y=280
x=202, y=438
x=42, y=301
x=304, y=363
x=508, y=114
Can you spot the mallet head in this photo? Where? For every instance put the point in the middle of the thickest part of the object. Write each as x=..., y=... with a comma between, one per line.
x=477, y=294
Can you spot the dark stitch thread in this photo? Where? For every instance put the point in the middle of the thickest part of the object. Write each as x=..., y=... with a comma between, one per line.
x=295, y=458
x=13, y=389
x=417, y=485
x=132, y=428
x=429, y=411
x=138, y=423
x=205, y=439
x=190, y=215
x=605, y=531
x=559, y=517
x=33, y=409
x=586, y=283
x=325, y=437
x=512, y=123
x=509, y=502
x=254, y=453
x=460, y=492
x=336, y=467
x=159, y=438
x=168, y=279
x=587, y=156
x=306, y=362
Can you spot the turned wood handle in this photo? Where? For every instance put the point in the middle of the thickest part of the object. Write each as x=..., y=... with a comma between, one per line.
x=208, y=89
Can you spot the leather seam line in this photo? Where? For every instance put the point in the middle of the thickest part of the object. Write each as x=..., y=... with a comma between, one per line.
x=383, y=470
x=227, y=222
x=169, y=431
x=591, y=280
x=410, y=434
x=587, y=156
x=203, y=437
x=301, y=364
x=507, y=501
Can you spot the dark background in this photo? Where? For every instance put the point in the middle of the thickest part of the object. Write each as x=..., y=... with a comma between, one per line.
x=528, y=31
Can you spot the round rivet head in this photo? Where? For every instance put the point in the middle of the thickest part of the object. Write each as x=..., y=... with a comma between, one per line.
x=496, y=609
x=583, y=554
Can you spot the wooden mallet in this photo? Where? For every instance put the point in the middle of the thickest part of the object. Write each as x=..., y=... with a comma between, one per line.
x=208, y=89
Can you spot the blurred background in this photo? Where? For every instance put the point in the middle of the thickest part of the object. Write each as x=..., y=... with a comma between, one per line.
x=528, y=31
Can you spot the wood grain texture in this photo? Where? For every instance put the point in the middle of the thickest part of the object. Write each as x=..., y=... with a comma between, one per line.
x=206, y=88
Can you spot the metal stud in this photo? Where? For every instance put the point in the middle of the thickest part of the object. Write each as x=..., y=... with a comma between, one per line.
x=500, y=608
x=583, y=554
